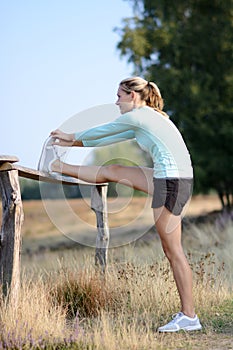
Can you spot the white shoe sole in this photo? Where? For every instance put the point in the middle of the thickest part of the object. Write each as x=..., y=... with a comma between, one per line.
x=189, y=328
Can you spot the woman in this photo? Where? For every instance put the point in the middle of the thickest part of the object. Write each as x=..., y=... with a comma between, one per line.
x=170, y=180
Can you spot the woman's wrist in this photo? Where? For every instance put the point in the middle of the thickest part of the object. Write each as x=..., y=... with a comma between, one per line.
x=78, y=143
x=72, y=137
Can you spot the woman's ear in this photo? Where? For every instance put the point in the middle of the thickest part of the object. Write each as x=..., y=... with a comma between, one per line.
x=133, y=95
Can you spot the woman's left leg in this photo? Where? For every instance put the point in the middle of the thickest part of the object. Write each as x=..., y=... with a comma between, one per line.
x=139, y=178
x=169, y=229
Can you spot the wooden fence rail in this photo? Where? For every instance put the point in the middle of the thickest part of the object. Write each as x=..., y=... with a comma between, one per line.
x=12, y=220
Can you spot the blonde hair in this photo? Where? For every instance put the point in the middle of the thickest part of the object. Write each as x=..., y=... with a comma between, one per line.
x=148, y=91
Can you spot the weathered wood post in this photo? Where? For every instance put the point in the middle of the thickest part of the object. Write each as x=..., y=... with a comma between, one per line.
x=99, y=206
x=12, y=219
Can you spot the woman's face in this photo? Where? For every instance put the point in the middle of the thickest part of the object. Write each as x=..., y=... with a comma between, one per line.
x=125, y=101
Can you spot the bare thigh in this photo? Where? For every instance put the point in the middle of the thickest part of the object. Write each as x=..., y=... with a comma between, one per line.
x=168, y=226
x=139, y=178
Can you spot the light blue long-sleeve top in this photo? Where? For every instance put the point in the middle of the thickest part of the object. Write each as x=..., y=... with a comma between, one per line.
x=153, y=132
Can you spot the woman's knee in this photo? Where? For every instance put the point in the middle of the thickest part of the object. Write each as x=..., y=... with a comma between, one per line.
x=170, y=239
x=173, y=252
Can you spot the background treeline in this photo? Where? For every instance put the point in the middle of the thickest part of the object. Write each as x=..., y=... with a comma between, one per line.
x=34, y=190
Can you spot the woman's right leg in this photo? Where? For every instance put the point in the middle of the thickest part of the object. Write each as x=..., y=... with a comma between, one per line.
x=168, y=227
x=140, y=178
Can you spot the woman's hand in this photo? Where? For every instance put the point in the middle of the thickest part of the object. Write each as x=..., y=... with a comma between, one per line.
x=64, y=139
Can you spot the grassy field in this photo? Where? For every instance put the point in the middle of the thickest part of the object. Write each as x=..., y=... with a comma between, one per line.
x=65, y=303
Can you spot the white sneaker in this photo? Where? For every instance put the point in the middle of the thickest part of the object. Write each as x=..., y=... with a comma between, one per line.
x=181, y=322
x=48, y=156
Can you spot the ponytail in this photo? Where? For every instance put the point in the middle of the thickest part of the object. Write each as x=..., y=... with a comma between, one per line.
x=149, y=92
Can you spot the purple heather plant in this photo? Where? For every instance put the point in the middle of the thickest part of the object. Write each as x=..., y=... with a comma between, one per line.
x=15, y=340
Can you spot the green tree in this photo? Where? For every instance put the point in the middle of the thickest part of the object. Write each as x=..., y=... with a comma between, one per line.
x=186, y=47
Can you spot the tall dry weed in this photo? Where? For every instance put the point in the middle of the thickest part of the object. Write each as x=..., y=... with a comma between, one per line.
x=85, y=292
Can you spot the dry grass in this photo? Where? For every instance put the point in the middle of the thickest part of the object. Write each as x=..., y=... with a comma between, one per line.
x=65, y=303
x=78, y=308
x=34, y=319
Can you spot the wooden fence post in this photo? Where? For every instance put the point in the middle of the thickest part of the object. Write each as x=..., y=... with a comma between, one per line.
x=12, y=219
x=99, y=206
x=10, y=242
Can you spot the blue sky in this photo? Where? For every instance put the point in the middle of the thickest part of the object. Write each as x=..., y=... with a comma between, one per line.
x=57, y=58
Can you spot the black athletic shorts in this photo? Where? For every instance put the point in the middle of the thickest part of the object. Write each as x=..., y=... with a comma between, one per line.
x=173, y=193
